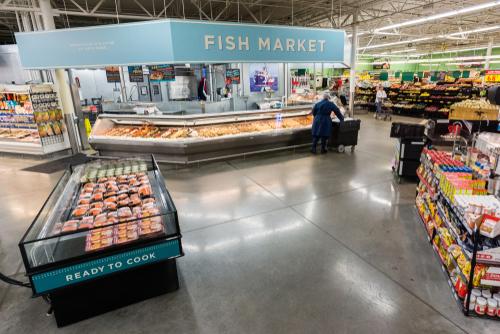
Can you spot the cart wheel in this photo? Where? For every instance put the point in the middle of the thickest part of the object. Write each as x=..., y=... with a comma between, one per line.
x=353, y=148
x=341, y=148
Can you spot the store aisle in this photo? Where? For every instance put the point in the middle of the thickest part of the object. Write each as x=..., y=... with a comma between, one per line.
x=283, y=243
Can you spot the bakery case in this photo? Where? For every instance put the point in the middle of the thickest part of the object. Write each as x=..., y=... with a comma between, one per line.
x=201, y=137
x=107, y=236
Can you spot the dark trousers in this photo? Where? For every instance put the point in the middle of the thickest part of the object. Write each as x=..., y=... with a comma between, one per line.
x=343, y=99
x=315, y=143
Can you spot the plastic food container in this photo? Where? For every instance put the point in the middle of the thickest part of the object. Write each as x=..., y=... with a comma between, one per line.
x=476, y=293
x=492, y=307
x=486, y=293
x=472, y=303
x=480, y=305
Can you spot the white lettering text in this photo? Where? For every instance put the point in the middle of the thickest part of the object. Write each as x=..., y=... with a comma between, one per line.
x=209, y=40
x=242, y=43
x=264, y=43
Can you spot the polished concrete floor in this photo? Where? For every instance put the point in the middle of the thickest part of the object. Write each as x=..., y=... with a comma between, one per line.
x=281, y=243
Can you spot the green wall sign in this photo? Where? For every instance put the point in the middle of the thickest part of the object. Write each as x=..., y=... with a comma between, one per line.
x=384, y=76
x=407, y=76
x=85, y=271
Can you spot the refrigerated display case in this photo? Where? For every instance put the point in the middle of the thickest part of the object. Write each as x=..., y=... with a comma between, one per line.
x=31, y=121
x=107, y=236
x=194, y=138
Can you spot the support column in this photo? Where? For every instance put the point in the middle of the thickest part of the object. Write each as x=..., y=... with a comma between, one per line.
x=488, y=54
x=286, y=81
x=354, y=51
x=123, y=87
x=62, y=83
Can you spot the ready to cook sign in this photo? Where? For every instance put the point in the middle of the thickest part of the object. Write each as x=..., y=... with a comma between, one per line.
x=178, y=41
x=89, y=270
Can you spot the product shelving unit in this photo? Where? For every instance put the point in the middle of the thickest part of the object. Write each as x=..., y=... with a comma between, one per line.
x=81, y=281
x=444, y=216
x=31, y=121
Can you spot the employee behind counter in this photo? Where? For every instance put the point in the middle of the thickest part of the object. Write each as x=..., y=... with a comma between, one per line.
x=322, y=123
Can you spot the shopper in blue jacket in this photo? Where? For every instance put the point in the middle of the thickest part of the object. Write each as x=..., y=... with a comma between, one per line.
x=322, y=123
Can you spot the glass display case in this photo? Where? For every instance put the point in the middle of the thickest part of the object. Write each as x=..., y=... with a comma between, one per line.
x=194, y=138
x=101, y=218
x=31, y=121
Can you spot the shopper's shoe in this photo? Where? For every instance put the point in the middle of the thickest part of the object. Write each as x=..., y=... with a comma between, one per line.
x=324, y=151
x=313, y=151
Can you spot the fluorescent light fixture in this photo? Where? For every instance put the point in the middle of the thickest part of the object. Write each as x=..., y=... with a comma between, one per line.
x=430, y=18
x=396, y=43
x=404, y=50
x=389, y=55
x=460, y=33
x=456, y=59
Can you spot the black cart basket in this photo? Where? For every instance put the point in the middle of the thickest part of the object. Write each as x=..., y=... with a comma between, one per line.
x=345, y=134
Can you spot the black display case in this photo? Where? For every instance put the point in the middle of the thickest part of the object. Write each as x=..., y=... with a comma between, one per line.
x=107, y=236
x=407, y=156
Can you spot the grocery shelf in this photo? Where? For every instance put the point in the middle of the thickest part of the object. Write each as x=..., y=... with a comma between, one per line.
x=454, y=233
x=457, y=214
x=458, y=300
x=427, y=185
x=423, y=223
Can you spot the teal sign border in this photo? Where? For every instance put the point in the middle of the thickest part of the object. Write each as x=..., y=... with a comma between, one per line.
x=173, y=41
x=85, y=271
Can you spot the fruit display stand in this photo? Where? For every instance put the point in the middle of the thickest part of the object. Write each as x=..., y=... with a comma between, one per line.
x=461, y=223
x=474, y=110
x=429, y=100
x=107, y=236
x=31, y=121
x=195, y=138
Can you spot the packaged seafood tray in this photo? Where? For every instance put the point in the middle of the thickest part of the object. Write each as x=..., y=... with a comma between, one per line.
x=99, y=208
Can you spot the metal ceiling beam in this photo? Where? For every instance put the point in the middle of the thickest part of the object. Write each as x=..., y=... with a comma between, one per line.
x=200, y=9
x=78, y=6
x=222, y=11
x=251, y=14
x=165, y=8
x=97, y=6
x=143, y=8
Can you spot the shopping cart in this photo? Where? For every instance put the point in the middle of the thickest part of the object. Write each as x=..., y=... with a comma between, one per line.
x=386, y=112
x=345, y=134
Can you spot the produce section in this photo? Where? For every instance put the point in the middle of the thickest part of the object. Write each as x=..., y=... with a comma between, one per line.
x=429, y=100
x=462, y=222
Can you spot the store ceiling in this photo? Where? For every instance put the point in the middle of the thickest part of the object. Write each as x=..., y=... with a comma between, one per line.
x=372, y=15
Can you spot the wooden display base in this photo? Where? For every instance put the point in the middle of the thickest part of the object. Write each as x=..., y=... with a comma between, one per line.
x=108, y=293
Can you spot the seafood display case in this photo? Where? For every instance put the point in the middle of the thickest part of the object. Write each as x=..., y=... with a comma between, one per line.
x=203, y=137
x=107, y=236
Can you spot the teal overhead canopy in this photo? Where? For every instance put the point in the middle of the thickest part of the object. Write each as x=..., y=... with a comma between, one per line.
x=178, y=41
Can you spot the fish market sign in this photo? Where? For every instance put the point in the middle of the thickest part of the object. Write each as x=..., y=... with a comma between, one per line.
x=51, y=280
x=178, y=41
x=230, y=43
